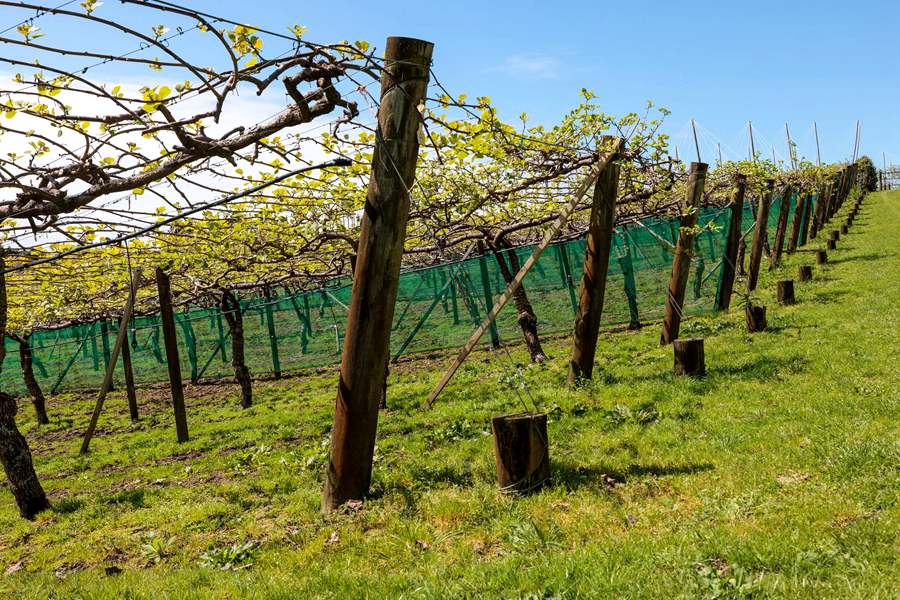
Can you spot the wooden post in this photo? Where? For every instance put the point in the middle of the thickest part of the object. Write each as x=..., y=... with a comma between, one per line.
x=759, y=235
x=173, y=362
x=521, y=451
x=129, y=377
x=804, y=273
x=596, y=267
x=689, y=357
x=807, y=217
x=755, y=317
x=821, y=257
x=832, y=244
x=363, y=375
x=684, y=249
x=730, y=256
x=799, y=211
x=786, y=292
x=781, y=227
x=121, y=340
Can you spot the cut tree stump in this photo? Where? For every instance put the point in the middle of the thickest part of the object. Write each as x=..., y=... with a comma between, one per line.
x=844, y=229
x=804, y=273
x=786, y=292
x=821, y=257
x=832, y=244
x=689, y=358
x=834, y=234
x=755, y=317
x=521, y=451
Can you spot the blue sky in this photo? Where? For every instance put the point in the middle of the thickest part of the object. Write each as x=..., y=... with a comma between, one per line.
x=722, y=63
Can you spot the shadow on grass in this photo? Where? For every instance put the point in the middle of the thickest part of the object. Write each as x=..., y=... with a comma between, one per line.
x=762, y=368
x=862, y=257
x=573, y=477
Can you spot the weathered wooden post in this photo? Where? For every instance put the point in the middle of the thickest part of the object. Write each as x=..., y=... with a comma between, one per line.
x=732, y=242
x=785, y=290
x=755, y=317
x=832, y=244
x=363, y=375
x=127, y=367
x=799, y=213
x=821, y=257
x=128, y=370
x=681, y=261
x=781, y=227
x=844, y=229
x=596, y=267
x=689, y=357
x=521, y=451
x=173, y=362
x=804, y=273
x=759, y=235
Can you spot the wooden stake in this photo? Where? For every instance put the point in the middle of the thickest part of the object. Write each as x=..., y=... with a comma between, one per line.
x=730, y=256
x=129, y=378
x=689, y=357
x=173, y=362
x=759, y=235
x=111, y=366
x=364, y=364
x=683, y=253
x=596, y=267
x=781, y=226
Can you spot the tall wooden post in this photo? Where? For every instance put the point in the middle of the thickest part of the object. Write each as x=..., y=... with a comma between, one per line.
x=759, y=234
x=129, y=372
x=799, y=213
x=363, y=376
x=729, y=257
x=173, y=362
x=596, y=267
x=684, y=250
x=781, y=226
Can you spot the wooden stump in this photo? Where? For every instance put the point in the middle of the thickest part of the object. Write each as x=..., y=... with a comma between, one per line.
x=804, y=273
x=689, y=358
x=832, y=244
x=786, y=292
x=834, y=234
x=521, y=451
x=821, y=257
x=844, y=229
x=756, y=318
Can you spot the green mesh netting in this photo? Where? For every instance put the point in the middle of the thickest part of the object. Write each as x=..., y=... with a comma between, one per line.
x=437, y=307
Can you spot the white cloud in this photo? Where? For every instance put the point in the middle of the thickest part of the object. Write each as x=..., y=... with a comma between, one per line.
x=531, y=65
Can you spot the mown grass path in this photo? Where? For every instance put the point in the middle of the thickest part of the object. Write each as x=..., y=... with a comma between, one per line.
x=776, y=476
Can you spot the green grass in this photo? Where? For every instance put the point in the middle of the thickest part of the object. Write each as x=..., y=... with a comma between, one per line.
x=778, y=475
